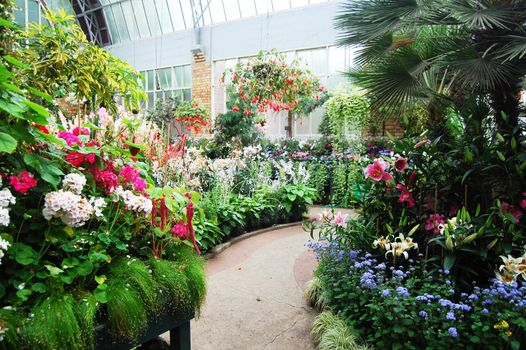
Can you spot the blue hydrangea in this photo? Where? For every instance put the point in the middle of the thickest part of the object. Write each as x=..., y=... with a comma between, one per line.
x=450, y=316
x=402, y=291
x=386, y=293
x=452, y=332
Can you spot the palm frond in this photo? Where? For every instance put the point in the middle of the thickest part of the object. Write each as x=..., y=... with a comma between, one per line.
x=515, y=49
x=480, y=14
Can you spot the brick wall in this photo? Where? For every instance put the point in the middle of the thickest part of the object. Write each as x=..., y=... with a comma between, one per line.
x=390, y=125
x=68, y=108
x=201, y=80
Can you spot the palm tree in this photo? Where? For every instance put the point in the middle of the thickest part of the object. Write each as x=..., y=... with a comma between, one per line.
x=439, y=52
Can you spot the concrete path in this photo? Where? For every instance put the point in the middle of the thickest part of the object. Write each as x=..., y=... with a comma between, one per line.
x=255, y=295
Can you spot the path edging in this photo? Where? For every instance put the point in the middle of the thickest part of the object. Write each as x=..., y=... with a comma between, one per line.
x=220, y=248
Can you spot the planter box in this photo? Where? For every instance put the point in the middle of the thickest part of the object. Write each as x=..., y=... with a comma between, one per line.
x=178, y=325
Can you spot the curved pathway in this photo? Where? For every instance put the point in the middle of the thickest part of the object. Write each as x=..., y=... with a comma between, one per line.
x=255, y=295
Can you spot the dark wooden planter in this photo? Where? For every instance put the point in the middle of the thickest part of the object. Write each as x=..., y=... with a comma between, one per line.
x=178, y=325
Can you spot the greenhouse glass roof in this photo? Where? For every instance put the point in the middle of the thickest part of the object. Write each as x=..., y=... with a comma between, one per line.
x=125, y=20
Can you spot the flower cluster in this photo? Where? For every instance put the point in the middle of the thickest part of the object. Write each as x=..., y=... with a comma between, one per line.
x=4, y=245
x=133, y=202
x=6, y=198
x=132, y=175
x=23, y=182
x=434, y=223
x=512, y=268
x=398, y=248
x=71, y=208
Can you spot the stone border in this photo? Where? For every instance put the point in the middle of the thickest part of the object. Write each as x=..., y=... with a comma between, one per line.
x=220, y=248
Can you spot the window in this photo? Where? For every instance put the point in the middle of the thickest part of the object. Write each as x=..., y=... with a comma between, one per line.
x=164, y=83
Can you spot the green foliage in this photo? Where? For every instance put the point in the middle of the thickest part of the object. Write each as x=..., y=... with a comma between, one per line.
x=318, y=179
x=163, y=112
x=54, y=325
x=175, y=293
x=86, y=310
x=127, y=314
x=314, y=294
x=330, y=332
x=296, y=196
x=59, y=59
x=346, y=114
x=194, y=269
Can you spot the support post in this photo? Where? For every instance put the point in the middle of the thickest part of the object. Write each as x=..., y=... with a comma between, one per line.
x=180, y=337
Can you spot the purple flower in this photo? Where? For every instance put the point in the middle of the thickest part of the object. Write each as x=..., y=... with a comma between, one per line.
x=452, y=332
x=402, y=291
x=450, y=316
x=386, y=293
x=485, y=311
x=422, y=314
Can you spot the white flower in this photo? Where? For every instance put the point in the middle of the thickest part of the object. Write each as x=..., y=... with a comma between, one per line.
x=4, y=217
x=98, y=204
x=4, y=245
x=134, y=202
x=71, y=208
x=74, y=183
x=6, y=198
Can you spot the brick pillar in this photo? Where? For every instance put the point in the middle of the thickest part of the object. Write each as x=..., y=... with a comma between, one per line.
x=201, y=80
x=390, y=125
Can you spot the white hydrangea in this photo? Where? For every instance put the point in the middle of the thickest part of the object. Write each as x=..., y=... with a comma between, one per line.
x=71, y=208
x=132, y=201
x=74, y=182
x=98, y=204
x=4, y=245
x=4, y=217
x=6, y=198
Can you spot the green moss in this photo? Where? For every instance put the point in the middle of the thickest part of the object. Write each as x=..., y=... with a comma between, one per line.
x=86, y=310
x=54, y=325
x=195, y=272
x=138, y=275
x=174, y=288
x=127, y=314
x=10, y=321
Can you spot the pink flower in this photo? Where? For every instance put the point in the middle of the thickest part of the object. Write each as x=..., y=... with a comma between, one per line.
x=139, y=184
x=340, y=220
x=376, y=171
x=70, y=138
x=523, y=202
x=80, y=131
x=23, y=182
x=235, y=109
x=129, y=173
x=401, y=164
x=179, y=230
x=507, y=208
x=405, y=196
x=434, y=221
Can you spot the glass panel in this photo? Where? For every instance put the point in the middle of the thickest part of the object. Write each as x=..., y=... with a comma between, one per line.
x=178, y=95
x=297, y=3
x=263, y=6
x=32, y=11
x=158, y=96
x=218, y=14
x=130, y=18
x=179, y=77
x=315, y=120
x=280, y=5
x=187, y=12
x=177, y=15
x=187, y=94
x=150, y=82
x=336, y=60
x=164, y=16
x=247, y=8
x=165, y=78
x=231, y=9
x=302, y=126
x=187, y=76
x=151, y=15
x=120, y=22
x=20, y=15
x=317, y=1
x=305, y=59
x=219, y=68
x=207, y=17
x=140, y=16
x=319, y=62
x=150, y=100
x=111, y=23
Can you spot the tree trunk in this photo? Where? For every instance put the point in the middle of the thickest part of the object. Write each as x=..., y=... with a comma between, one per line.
x=505, y=100
x=289, y=125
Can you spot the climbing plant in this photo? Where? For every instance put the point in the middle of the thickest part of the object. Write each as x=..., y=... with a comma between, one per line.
x=346, y=114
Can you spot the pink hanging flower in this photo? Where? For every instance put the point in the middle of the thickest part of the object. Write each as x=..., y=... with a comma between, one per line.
x=23, y=182
x=401, y=164
x=434, y=221
x=405, y=196
x=179, y=230
x=340, y=220
x=376, y=171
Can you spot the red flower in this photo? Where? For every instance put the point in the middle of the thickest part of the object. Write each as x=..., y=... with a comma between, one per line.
x=179, y=230
x=23, y=182
x=433, y=222
x=80, y=131
x=247, y=112
x=405, y=196
x=507, y=208
x=41, y=128
x=235, y=109
x=523, y=202
x=412, y=179
x=401, y=164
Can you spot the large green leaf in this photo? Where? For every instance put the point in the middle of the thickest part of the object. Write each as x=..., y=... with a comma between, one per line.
x=7, y=143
